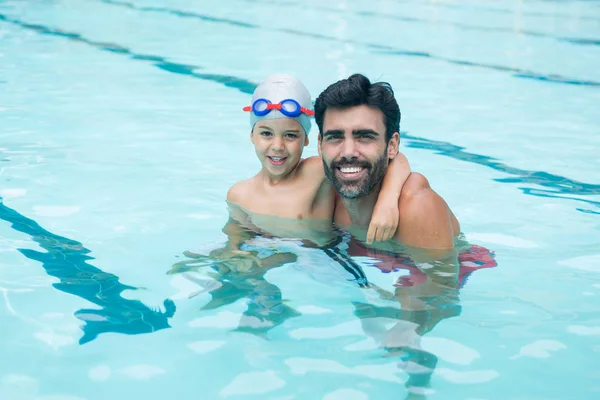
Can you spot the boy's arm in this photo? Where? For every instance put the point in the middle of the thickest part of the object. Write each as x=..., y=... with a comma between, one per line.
x=236, y=227
x=384, y=220
x=237, y=235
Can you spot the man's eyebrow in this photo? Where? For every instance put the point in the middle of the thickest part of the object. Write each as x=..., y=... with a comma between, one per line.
x=363, y=132
x=332, y=132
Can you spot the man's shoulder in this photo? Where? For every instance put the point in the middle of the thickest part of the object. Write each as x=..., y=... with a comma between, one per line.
x=425, y=219
x=416, y=184
x=418, y=199
x=417, y=187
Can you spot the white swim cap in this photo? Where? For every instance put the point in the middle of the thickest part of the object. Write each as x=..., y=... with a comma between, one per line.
x=281, y=96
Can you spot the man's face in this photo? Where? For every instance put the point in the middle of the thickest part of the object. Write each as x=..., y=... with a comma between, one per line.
x=354, y=150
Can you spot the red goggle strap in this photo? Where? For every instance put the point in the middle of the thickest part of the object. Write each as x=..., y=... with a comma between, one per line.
x=271, y=106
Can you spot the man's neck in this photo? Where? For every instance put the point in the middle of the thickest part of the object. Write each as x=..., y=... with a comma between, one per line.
x=360, y=209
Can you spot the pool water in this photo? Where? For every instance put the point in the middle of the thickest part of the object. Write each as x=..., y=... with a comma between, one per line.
x=121, y=131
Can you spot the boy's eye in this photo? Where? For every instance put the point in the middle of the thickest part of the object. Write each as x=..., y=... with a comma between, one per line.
x=266, y=133
x=291, y=136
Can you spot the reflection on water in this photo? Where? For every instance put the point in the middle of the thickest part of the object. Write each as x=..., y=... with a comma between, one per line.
x=416, y=303
x=424, y=294
x=427, y=295
x=422, y=306
x=240, y=276
x=238, y=268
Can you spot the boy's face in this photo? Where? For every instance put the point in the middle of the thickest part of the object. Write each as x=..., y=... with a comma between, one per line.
x=278, y=144
x=354, y=149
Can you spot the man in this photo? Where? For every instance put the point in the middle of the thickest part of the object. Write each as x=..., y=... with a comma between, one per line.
x=359, y=124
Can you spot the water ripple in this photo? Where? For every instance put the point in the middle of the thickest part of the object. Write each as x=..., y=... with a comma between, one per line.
x=378, y=48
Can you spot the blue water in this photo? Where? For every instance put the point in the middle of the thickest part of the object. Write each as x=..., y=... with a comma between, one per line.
x=121, y=131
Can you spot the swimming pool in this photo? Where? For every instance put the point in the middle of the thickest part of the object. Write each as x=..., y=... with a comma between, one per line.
x=121, y=131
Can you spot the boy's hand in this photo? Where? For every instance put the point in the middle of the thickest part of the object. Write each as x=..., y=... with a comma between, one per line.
x=384, y=222
x=386, y=214
x=237, y=261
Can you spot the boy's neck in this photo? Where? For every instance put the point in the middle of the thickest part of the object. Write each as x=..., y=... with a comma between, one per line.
x=271, y=180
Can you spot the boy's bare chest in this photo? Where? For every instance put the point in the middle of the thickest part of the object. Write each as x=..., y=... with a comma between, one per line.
x=285, y=204
x=290, y=202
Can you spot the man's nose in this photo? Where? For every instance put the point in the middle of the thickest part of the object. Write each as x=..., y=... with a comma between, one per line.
x=349, y=149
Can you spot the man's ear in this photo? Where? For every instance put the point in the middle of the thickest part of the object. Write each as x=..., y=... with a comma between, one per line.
x=320, y=140
x=392, y=148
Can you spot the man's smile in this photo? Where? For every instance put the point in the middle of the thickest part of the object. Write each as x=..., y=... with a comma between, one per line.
x=350, y=173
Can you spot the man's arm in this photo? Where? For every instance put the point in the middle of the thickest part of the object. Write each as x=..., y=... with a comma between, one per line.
x=427, y=222
x=384, y=221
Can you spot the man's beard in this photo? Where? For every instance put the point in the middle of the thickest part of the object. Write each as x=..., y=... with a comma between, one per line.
x=364, y=185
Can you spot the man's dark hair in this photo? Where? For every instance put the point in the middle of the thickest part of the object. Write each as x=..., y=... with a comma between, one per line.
x=358, y=90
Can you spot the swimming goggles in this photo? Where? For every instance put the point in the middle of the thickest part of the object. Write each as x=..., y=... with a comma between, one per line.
x=288, y=107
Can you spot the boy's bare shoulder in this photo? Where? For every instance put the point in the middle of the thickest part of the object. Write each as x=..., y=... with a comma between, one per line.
x=312, y=162
x=240, y=191
x=313, y=168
